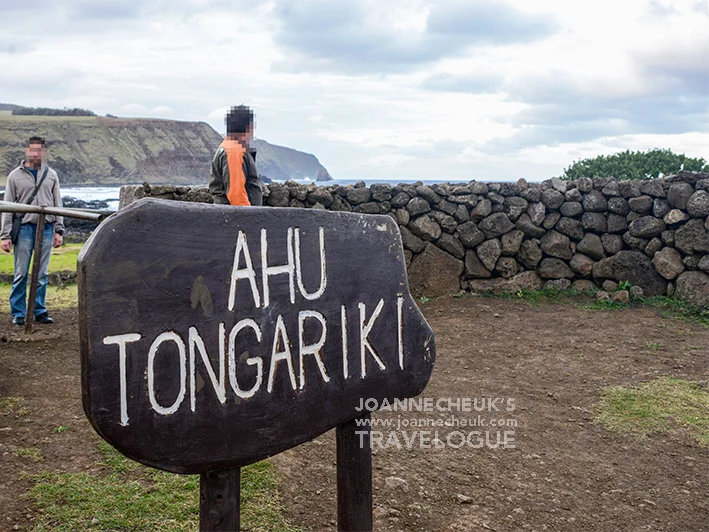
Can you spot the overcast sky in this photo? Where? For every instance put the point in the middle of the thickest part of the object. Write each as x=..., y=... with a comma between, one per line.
x=447, y=89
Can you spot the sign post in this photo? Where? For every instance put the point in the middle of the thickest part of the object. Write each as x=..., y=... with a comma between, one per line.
x=213, y=337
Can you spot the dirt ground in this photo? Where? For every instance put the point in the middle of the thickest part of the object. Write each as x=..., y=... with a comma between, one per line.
x=564, y=472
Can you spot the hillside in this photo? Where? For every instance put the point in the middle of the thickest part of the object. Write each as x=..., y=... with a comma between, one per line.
x=113, y=151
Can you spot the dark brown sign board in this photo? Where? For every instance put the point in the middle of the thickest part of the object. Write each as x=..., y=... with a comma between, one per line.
x=213, y=337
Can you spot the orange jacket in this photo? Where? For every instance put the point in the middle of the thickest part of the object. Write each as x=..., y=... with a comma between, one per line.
x=234, y=177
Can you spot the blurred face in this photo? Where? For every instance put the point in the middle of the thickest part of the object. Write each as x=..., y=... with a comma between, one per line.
x=34, y=153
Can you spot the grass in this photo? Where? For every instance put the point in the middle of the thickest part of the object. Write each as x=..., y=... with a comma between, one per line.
x=28, y=453
x=7, y=404
x=63, y=258
x=133, y=497
x=57, y=298
x=660, y=405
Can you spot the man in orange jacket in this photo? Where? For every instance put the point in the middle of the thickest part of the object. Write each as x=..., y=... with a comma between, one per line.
x=234, y=179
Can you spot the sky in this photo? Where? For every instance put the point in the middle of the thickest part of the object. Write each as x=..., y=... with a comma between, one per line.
x=451, y=90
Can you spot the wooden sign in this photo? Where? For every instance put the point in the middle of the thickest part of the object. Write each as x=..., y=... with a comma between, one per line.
x=213, y=337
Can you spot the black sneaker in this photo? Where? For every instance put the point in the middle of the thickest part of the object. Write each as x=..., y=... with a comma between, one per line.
x=19, y=320
x=43, y=318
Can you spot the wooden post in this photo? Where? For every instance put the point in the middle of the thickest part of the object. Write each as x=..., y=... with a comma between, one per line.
x=354, y=475
x=219, y=500
x=38, y=240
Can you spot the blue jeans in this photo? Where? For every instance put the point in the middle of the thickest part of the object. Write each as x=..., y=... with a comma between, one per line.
x=23, y=254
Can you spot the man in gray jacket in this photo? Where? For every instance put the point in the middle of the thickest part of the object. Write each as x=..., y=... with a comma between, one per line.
x=33, y=173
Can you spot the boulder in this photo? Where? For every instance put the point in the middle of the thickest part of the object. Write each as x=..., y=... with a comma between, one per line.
x=507, y=267
x=595, y=201
x=469, y=235
x=557, y=284
x=358, y=195
x=691, y=262
x=400, y=200
x=618, y=206
x=584, y=184
x=495, y=225
x=552, y=199
x=675, y=216
x=488, y=252
x=570, y=227
x=556, y=245
x=617, y=223
x=530, y=254
x=629, y=189
x=594, y=221
x=582, y=264
x=320, y=195
x=653, y=188
x=678, y=195
x=646, y=227
x=511, y=242
x=611, y=189
x=692, y=236
x=693, y=287
x=571, y=209
x=515, y=206
x=550, y=220
x=609, y=286
x=446, y=206
x=524, y=224
x=635, y=242
x=424, y=227
x=481, y=210
x=402, y=216
x=612, y=243
x=474, y=269
x=704, y=264
x=381, y=191
x=532, y=194
x=631, y=266
x=698, y=204
x=418, y=206
x=653, y=247
x=660, y=207
x=621, y=296
x=592, y=246
x=428, y=194
x=583, y=285
x=447, y=223
x=461, y=214
x=641, y=204
x=522, y=281
x=411, y=241
x=536, y=212
x=451, y=245
x=434, y=273
x=573, y=195
x=551, y=268
x=668, y=263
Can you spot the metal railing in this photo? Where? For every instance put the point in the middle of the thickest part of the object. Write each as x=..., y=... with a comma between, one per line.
x=43, y=212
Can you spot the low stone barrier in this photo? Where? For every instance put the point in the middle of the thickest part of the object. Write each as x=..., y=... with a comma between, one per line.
x=510, y=236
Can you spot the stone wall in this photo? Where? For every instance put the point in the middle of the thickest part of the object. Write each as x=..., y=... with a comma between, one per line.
x=510, y=236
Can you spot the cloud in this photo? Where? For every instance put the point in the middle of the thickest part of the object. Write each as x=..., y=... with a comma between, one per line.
x=360, y=37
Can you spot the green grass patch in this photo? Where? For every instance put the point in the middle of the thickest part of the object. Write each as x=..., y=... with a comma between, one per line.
x=660, y=405
x=537, y=296
x=7, y=404
x=133, y=497
x=57, y=297
x=676, y=308
x=31, y=454
x=63, y=259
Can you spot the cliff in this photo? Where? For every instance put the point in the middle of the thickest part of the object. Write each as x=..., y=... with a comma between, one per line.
x=92, y=150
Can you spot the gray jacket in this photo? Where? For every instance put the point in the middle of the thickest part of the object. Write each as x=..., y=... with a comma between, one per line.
x=19, y=188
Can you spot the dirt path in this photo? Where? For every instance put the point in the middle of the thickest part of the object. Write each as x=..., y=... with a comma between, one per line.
x=564, y=473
